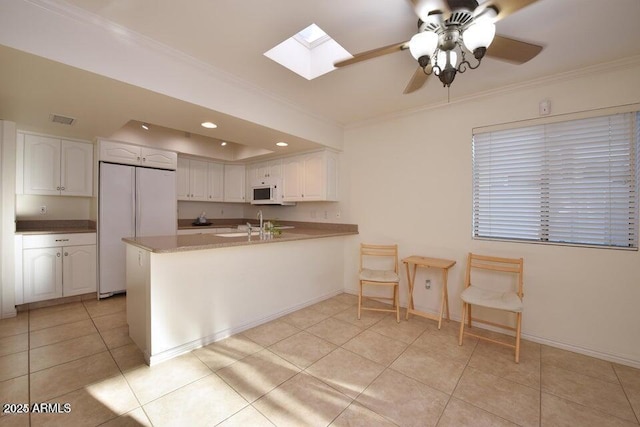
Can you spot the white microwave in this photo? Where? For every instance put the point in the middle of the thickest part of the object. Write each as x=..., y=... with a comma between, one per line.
x=268, y=193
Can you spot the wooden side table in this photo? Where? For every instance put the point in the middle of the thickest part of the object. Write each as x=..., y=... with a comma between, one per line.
x=426, y=262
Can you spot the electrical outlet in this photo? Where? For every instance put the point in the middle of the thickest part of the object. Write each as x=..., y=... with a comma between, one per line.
x=43, y=210
x=427, y=284
x=338, y=214
x=326, y=215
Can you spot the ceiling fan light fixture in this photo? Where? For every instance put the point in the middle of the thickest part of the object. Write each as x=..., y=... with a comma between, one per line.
x=479, y=34
x=423, y=44
x=447, y=58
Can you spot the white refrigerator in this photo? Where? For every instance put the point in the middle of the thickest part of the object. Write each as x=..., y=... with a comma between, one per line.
x=133, y=202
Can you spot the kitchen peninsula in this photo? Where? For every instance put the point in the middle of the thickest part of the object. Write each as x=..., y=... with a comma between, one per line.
x=186, y=291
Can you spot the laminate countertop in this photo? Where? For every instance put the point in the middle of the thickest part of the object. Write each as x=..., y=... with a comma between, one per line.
x=194, y=242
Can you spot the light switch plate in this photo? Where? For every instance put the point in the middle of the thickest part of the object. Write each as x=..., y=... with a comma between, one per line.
x=545, y=107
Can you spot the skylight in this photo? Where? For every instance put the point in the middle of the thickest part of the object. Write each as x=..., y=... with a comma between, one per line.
x=312, y=36
x=309, y=53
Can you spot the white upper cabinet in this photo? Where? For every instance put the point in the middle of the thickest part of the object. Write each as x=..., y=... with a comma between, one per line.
x=215, y=182
x=292, y=178
x=184, y=191
x=119, y=152
x=160, y=159
x=234, y=183
x=199, y=180
x=53, y=166
x=260, y=172
x=305, y=177
x=311, y=177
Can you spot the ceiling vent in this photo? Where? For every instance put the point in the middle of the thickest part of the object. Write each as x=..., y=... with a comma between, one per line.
x=63, y=120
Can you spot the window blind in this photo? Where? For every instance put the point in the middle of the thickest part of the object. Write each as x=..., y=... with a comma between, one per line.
x=571, y=182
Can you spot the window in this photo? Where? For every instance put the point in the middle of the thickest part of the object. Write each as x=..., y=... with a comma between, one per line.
x=569, y=182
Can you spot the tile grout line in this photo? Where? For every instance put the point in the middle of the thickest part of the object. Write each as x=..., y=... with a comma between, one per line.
x=301, y=370
x=624, y=390
x=458, y=382
x=118, y=366
x=353, y=400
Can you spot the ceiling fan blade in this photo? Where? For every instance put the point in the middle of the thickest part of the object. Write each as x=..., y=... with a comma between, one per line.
x=424, y=7
x=504, y=8
x=512, y=50
x=417, y=81
x=373, y=53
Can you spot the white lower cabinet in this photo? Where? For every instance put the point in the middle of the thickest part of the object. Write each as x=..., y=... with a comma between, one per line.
x=78, y=270
x=58, y=265
x=42, y=274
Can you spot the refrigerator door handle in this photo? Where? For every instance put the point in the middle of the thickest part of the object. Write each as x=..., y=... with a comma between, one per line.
x=134, y=204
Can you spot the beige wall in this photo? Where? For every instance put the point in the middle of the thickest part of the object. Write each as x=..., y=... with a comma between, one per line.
x=58, y=207
x=410, y=183
x=7, y=216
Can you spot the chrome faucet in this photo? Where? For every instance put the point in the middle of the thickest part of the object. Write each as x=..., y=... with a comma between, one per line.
x=249, y=231
x=261, y=228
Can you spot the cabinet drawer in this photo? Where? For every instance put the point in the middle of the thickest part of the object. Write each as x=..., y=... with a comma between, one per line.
x=53, y=240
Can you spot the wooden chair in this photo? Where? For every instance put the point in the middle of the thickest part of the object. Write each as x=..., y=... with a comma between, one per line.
x=490, y=271
x=380, y=277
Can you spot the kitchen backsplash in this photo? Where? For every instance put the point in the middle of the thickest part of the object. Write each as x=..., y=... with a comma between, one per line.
x=192, y=210
x=330, y=212
x=54, y=208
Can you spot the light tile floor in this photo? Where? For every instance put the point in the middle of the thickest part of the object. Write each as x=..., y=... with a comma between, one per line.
x=317, y=366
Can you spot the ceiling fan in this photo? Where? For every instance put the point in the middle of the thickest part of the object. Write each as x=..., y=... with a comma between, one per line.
x=450, y=30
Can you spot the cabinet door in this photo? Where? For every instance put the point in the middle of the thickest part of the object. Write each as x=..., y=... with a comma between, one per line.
x=314, y=181
x=41, y=165
x=234, y=187
x=261, y=171
x=183, y=179
x=42, y=274
x=254, y=174
x=198, y=180
x=275, y=169
x=160, y=159
x=118, y=152
x=215, y=182
x=76, y=169
x=78, y=270
x=292, y=179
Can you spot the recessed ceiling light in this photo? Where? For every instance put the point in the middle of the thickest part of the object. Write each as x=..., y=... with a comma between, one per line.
x=209, y=125
x=223, y=143
x=145, y=126
x=281, y=144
